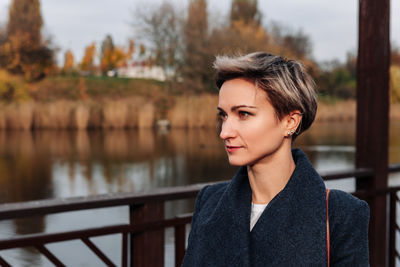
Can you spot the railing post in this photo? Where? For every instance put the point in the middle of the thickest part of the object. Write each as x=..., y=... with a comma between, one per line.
x=392, y=229
x=147, y=249
x=180, y=238
x=373, y=116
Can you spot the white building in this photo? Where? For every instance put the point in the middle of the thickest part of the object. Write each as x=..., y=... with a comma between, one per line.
x=138, y=70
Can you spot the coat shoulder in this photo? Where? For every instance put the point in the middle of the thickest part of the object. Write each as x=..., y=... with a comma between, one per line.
x=349, y=219
x=343, y=203
x=212, y=193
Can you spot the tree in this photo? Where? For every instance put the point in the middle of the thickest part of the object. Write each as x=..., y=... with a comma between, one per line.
x=185, y=46
x=338, y=80
x=106, y=56
x=142, y=50
x=243, y=33
x=161, y=27
x=25, y=18
x=87, y=63
x=68, y=62
x=290, y=43
x=197, y=68
x=246, y=11
x=114, y=56
x=25, y=51
x=107, y=44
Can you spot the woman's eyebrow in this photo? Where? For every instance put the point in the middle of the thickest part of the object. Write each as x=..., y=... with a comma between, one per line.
x=236, y=107
x=241, y=106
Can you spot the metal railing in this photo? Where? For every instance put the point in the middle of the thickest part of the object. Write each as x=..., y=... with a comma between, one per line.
x=147, y=223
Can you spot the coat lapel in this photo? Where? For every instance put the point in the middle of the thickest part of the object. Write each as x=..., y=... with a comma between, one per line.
x=291, y=229
x=229, y=224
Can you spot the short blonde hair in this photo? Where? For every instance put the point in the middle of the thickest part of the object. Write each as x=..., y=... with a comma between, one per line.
x=287, y=84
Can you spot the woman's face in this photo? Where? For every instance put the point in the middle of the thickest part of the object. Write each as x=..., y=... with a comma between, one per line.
x=250, y=129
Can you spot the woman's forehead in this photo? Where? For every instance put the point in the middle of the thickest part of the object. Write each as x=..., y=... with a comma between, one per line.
x=241, y=92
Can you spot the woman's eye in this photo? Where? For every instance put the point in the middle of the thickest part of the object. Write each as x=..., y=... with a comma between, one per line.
x=222, y=115
x=244, y=114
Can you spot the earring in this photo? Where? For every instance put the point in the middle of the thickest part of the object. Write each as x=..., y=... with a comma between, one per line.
x=290, y=132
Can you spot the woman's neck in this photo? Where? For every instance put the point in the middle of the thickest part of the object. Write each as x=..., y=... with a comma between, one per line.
x=269, y=176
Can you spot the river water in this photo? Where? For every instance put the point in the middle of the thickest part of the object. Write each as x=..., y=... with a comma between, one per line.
x=53, y=164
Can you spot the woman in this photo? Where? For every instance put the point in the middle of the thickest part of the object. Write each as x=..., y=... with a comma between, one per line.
x=274, y=210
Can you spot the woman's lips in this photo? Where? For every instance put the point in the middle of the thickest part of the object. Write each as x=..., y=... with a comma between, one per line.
x=232, y=149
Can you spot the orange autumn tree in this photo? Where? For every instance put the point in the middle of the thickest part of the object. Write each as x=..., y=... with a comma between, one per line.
x=112, y=56
x=69, y=62
x=24, y=50
x=87, y=63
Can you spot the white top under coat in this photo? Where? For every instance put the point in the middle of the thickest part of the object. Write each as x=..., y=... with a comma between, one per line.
x=256, y=211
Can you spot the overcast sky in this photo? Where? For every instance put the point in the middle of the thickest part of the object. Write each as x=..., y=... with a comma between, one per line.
x=331, y=25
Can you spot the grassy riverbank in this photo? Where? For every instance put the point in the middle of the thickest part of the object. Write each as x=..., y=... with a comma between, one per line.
x=109, y=103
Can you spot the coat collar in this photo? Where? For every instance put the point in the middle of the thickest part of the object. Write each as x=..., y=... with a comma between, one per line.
x=302, y=197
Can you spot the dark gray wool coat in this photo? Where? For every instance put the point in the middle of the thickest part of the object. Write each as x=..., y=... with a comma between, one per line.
x=290, y=232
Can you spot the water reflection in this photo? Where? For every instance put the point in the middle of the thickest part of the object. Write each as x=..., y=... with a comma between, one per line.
x=53, y=164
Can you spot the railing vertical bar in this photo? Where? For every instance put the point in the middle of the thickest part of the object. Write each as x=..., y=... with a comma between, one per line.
x=4, y=263
x=124, y=250
x=147, y=248
x=179, y=244
x=98, y=252
x=50, y=256
x=392, y=230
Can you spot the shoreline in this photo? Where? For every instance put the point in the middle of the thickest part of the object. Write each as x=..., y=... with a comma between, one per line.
x=140, y=113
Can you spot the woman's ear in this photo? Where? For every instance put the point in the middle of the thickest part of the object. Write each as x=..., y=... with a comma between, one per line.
x=293, y=121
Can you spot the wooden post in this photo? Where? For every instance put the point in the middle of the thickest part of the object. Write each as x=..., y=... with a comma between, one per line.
x=373, y=115
x=393, y=230
x=180, y=240
x=147, y=249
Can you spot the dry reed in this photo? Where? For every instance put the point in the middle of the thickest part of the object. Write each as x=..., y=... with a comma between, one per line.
x=80, y=116
x=194, y=112
x=134, y=106
x=95, y=116
x=186, y=112
x=346, y=111
x=340, y=111
x=114, y=114
x=19, y=116
x=146, y=115
x=177, y=115
x=54, y=115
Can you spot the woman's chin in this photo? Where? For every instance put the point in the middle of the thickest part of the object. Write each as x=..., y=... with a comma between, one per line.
x=237, y=162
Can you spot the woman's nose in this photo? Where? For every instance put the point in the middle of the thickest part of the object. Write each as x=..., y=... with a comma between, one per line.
x=227, y=130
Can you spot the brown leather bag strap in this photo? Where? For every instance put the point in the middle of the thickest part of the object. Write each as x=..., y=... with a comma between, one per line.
x=328, y=245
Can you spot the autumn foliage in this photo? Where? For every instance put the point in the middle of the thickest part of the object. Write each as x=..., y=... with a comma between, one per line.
x=182, y=42
x=193, y=42
x=23, y=50
x=112, y=56
x=69, y=62
x=87, y=63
